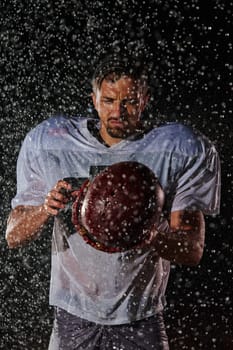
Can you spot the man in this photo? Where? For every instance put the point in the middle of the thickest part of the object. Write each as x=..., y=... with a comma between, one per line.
x=103, y=300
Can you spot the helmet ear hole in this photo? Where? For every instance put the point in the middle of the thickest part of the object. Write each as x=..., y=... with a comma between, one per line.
x=118, y=208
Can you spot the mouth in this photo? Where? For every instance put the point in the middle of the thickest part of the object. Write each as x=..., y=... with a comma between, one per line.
x=114, y=122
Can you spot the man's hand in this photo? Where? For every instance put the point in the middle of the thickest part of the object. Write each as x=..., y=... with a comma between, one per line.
x=57, y=198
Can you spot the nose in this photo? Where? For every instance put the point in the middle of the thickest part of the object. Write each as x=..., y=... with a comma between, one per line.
x=119, y=109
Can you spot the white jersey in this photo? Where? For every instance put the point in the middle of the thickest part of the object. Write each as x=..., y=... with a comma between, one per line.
x=113, y=288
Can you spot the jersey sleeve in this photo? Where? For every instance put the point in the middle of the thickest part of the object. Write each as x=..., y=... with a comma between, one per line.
x=31, y=187
x=198, y=187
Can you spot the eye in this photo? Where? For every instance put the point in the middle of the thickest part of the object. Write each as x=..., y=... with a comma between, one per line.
x=131, y=102
x=107, y=101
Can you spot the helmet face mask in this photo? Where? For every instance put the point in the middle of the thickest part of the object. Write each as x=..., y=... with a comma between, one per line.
x=116, y=211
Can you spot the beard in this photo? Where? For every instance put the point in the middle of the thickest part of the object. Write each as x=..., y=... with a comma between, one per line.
x=119, y=133
x=124, y=131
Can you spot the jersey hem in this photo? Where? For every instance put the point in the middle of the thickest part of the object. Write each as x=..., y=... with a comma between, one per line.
x=88, y=317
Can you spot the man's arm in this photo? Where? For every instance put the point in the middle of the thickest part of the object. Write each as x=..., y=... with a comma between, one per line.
x=26, y=222
x=184, y=242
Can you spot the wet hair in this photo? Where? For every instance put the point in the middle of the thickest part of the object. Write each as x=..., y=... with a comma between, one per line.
x=116, y=65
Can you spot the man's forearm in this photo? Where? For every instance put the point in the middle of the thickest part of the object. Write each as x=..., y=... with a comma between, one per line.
x=184, y=242
x=24, y=224
x=180, y=247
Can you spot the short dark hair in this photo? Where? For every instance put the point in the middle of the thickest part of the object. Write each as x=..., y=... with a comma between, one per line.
x=120, y=64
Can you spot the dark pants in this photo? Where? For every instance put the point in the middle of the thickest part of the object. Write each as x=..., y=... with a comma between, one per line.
x=71, y=332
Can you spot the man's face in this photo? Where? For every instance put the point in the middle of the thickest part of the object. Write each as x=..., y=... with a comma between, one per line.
x=119, y=105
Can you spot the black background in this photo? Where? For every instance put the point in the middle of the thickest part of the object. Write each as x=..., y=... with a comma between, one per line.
x=48, y=50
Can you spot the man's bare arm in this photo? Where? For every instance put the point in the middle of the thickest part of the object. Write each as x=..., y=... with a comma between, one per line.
x=26, y=222
x=184, y=243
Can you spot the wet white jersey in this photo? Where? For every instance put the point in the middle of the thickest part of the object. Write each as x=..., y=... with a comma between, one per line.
x=120, y=287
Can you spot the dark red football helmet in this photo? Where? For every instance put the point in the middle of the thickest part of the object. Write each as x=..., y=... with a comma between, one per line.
x=115, y=211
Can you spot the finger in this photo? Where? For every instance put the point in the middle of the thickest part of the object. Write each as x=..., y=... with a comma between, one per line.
x=61, y=184
x=153, y=233
x=55, y=199
x=53, y=203
x=49, y=210
x=58, y=196
x=52, y=206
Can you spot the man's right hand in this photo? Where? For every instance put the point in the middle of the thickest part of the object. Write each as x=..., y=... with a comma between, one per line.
x=57, y=198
